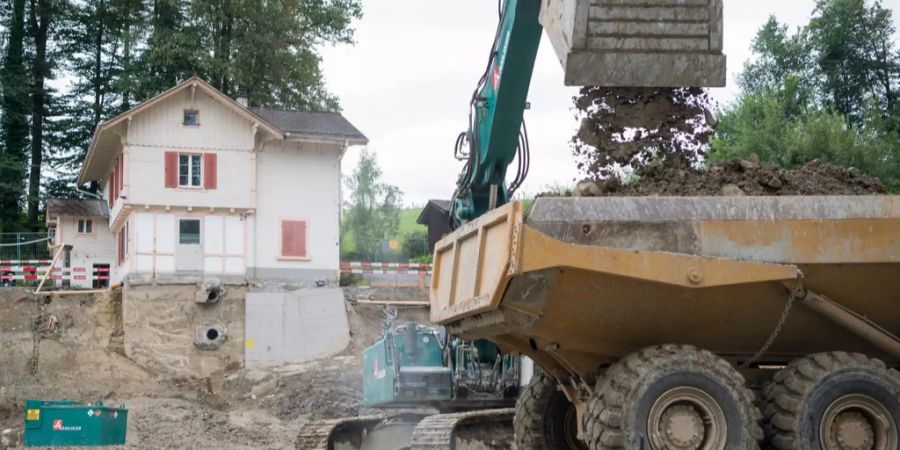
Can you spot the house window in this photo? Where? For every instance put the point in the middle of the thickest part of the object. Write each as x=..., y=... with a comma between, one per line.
x=85, y=226
x=189, y=231
x=189, y=170
x=126, y=239
x=191, y=118
x=293, y=239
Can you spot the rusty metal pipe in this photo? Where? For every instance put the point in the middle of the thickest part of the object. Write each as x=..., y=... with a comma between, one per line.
x=859, y=325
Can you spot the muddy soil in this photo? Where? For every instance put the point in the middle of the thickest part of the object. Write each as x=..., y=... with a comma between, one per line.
x=245, y=409
x=737, y=177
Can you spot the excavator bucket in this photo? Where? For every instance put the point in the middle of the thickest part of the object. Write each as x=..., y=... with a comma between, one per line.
x=637, y=43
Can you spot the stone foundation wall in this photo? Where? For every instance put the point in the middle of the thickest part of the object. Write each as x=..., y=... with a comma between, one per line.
x=168, y=332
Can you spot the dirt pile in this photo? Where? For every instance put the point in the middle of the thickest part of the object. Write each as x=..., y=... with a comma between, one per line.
x=244, y=409
x=736, y=177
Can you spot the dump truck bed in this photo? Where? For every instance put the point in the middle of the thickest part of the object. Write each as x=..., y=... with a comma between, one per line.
x=577, y=283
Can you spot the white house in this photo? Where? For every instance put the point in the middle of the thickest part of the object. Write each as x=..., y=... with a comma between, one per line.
x=83, y=227
x=199, y=184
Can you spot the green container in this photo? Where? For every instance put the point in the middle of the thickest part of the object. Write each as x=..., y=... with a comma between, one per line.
x=60, y=423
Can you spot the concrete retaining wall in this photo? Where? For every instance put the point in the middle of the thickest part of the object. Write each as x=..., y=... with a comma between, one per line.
x=295, y=326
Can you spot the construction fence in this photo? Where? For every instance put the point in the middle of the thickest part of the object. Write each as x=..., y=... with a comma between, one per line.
x=25, y=246
x=387, y=274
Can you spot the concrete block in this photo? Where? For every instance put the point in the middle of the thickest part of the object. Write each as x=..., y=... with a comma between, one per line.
x=649, y=2
x=648, y=69
x=296, y=326
x=679, y=13
x=667, y=44
x=649, y=29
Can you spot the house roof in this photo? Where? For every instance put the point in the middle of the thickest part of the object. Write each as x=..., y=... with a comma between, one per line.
x=76, y=207
x=309, y=124
x=303, y=124
x=106, y=140
x=434, y=206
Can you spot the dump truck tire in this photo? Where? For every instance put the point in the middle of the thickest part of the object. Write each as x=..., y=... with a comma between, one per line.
x=691, y=398
x=834, y=401
x=545, y=418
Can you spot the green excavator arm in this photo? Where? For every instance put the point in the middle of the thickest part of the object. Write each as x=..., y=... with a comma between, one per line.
x=647, y=44
x=497, y=108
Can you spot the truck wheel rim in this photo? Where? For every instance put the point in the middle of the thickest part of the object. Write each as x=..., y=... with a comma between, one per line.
x=687, y=418
x=858, y=422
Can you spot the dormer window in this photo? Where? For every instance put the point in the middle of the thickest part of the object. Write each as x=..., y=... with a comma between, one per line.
x=191, y=118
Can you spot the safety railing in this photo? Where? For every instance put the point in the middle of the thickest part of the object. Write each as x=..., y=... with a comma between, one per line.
x=386, y=268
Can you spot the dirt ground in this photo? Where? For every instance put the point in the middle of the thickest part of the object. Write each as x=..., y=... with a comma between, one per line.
x=247, y=409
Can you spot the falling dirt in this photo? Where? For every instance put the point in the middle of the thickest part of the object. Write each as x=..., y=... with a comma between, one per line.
x=625, y=128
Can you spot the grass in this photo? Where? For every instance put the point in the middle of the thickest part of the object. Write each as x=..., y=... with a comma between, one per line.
x=408, y=223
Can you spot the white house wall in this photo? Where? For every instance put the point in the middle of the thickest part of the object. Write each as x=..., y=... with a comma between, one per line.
x=300, y=182
x=87, y=250
x=220, y=128
x=159, y=129
x=223, y=242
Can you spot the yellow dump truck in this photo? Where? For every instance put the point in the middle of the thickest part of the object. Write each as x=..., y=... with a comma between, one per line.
x=688, y=323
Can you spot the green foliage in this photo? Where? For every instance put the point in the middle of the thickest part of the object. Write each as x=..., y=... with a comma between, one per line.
x=826, y=92
x=14, y=120
x=415, y=244
x=758, y=124
x=114, y=54
x=372, y=213
x=853, y=47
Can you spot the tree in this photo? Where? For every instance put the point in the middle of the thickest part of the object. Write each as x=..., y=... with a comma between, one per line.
x=14, y=126
x=826, y=92
x=42, y=15
x=784, y=64
x=91, y=39
x=855, y=53
x=372, y=214
x=268, y=50
x=172, y=52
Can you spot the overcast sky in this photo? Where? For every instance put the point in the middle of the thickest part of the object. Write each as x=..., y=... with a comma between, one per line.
x=407, y=82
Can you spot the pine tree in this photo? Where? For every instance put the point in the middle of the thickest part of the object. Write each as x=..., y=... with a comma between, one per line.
x=91, y=39
x=42, y=15
x=14, y=124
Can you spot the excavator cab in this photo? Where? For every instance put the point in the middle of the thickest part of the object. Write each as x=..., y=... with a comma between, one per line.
x=651, y=43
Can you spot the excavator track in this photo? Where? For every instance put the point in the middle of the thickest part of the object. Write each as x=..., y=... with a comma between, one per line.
x=477, y=430
x=318, y=435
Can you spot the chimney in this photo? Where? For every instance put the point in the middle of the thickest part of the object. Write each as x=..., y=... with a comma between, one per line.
x=242, y=100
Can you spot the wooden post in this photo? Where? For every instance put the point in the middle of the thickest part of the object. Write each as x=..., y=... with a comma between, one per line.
x=61, y=246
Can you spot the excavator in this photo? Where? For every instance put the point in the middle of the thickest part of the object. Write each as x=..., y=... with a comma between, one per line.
x=470, y=385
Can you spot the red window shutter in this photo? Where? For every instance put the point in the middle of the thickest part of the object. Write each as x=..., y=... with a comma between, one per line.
x=210, y=171
x=115, y=182
x=293, y=238
x=111, y=191
x=171, y=169
x=121, y=249
x=121, y=173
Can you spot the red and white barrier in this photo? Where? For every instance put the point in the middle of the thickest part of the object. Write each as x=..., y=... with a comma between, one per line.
x=18, y=262
x=383, y=267
x=31, y=273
